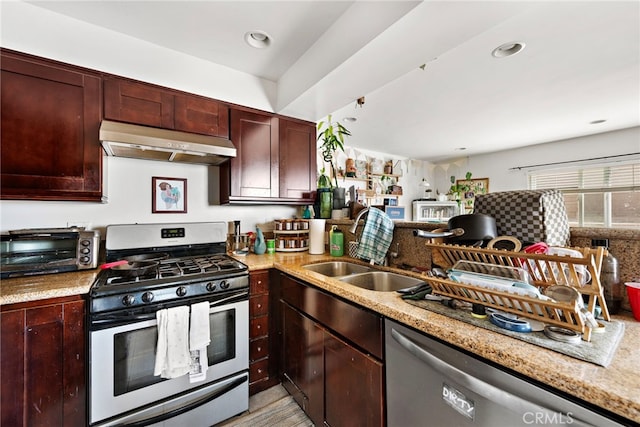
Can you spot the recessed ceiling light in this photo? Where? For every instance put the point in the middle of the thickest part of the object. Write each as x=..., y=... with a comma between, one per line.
x=507, y=49
x=460, y=149
x=257, y=39
x=350, y=119
x=597, y=122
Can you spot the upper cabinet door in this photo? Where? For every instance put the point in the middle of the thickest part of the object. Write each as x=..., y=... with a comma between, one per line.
x=132, y=102
x=275, y=163
x=201, y=115
x=297, y=160
x=50, y=120
x=145, y=104
x=253, y=172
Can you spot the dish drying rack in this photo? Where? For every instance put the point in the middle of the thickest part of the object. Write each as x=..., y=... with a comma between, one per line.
x=545, y=270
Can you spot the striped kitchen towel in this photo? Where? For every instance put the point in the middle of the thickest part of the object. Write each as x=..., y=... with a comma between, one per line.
x=376, y=237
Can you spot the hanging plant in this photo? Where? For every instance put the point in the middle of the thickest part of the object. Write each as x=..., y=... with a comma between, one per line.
x=332, y=137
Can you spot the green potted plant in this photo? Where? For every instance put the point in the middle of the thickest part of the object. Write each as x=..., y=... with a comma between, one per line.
x=456, y=190
x=331, y=136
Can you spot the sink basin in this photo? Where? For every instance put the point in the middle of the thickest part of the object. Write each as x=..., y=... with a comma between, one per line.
x=383, y=281
x=337, y=268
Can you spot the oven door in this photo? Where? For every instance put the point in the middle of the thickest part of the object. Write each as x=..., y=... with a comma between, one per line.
x=122, y=360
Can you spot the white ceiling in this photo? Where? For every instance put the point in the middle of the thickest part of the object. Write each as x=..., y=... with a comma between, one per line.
x=581, y=63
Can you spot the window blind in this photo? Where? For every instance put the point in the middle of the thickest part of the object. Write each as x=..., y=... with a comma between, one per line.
x=597, y=179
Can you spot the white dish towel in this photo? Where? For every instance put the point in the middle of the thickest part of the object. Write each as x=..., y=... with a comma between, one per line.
x=199, y=339
x=172, y=350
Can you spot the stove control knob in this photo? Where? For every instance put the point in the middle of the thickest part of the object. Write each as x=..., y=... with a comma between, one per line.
x=224, y=284
x=211, y=286
x=181, y=291
x=147, y=297
x=128, y=300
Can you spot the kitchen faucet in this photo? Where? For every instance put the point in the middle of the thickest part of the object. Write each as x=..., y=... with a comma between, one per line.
x=354, y=227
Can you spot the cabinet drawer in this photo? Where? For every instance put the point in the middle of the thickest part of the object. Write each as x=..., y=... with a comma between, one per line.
x=258, y=349
x=258, y=370
x=358, y=325
x=258, y=327
x=259, y=305
x=259, y=282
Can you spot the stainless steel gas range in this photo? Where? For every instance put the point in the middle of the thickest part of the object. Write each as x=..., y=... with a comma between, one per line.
x=162, y=266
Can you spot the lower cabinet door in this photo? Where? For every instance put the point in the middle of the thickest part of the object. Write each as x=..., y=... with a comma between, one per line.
x=42, y=356
x=353, y=386
x=302, y=354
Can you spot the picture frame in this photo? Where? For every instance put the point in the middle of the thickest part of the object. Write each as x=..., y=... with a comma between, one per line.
x=472, y=187
x=168, y=195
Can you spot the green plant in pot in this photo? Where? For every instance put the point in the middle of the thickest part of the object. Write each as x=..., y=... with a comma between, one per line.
x=456, y=190
x=331, y=136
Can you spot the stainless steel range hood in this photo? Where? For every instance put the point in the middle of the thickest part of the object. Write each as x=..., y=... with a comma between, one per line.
x=142, y=142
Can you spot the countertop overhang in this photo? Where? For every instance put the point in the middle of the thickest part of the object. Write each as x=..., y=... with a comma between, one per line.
x=615, y=389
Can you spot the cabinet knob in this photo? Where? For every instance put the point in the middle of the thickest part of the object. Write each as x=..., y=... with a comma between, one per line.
x=259, y=327
x=259, y=305
x=259, y=349
x=259, y=371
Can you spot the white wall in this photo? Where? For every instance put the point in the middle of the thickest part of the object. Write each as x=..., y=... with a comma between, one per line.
x=498, y=166
x=129, y=192
x=30, y=29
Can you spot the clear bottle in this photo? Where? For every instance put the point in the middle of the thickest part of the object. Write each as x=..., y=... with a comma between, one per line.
x=610, y=278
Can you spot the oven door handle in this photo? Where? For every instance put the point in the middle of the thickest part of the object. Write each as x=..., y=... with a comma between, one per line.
x=162, y=417
x=233, y=298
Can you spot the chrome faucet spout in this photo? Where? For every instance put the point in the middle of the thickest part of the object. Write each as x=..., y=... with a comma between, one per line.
x=354, y=227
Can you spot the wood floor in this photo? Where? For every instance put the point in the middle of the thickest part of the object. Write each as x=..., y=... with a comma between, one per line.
x=270, y=408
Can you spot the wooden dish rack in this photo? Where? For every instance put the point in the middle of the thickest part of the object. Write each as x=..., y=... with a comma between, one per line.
x=545, y=270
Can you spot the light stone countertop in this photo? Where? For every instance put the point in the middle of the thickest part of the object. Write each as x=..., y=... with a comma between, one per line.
x=616, y=388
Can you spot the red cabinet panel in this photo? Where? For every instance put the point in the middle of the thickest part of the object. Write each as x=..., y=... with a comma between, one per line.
x=42, y=357
x=50, y=120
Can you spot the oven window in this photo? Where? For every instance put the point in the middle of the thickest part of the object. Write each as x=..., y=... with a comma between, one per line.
x=135, y=352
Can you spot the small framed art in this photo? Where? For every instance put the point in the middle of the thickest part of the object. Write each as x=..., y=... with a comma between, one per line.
x=169, y=195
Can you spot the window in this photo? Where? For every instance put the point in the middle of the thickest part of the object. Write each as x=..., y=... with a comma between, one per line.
x=596, y=196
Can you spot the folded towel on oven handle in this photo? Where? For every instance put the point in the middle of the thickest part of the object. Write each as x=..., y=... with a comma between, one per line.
x=199, y=339
x=172, y=350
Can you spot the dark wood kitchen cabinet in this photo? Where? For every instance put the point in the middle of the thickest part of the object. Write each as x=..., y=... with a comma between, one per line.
x=49, y=145
x=275, y=162
x=331, y=356
x=260, y=373
x=42, y=358
x=297, y=160
x=146, y=104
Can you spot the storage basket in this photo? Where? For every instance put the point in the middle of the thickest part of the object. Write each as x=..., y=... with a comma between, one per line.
x=353, y=249
x=529, y=215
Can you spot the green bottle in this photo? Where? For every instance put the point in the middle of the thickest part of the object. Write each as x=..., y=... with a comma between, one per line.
x=336, y=241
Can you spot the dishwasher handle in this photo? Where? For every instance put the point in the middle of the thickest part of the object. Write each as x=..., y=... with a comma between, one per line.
x=489, y=391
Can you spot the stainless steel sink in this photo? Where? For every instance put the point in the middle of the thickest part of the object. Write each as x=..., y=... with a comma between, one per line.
x=383, y=281
x=337, y=268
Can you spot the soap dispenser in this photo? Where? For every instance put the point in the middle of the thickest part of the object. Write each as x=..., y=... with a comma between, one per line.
x=260, y=246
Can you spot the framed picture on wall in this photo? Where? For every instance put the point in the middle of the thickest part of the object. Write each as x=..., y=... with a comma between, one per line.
x=472, y=187
x=169, y=195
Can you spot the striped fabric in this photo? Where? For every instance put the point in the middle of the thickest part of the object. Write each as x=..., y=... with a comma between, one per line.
x=376, y=237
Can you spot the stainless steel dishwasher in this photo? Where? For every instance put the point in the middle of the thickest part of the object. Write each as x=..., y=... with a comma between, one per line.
x=433, y=384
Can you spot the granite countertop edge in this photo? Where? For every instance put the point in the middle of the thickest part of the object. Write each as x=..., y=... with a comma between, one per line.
x=616, y=388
